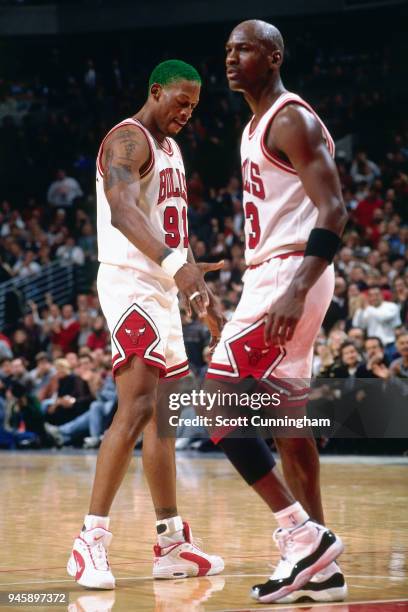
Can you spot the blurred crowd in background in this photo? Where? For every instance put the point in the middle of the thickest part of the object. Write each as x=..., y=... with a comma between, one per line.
x=56, y=387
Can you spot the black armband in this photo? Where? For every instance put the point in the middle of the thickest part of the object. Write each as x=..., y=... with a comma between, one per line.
x=322, y=243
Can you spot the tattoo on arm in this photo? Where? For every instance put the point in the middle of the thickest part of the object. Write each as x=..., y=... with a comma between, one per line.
x=121, y=159
x=119, y=174
x=116, y=170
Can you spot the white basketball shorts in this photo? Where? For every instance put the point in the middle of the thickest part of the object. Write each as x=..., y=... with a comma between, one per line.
x=241, y=351
x=143, y=318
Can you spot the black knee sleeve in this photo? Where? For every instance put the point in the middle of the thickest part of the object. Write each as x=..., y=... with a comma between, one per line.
x=251, y=457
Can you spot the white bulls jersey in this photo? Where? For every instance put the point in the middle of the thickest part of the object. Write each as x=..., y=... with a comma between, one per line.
x=279, y=216
x=163, y=199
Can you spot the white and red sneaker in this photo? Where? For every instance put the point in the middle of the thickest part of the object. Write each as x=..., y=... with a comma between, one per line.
x=88, y=562
x=184, y=560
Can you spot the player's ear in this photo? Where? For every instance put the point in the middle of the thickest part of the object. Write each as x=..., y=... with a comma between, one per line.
x=156, y=90
x=275, y=58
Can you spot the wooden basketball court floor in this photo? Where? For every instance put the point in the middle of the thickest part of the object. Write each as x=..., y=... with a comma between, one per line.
x=44, y=497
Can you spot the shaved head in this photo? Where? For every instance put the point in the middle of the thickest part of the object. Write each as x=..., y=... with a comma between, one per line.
x=263, y=32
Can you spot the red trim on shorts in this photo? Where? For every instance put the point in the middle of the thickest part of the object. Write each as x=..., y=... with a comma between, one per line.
x=132, y=353
x=150, y=162
x=181, y=366
x=283, y=256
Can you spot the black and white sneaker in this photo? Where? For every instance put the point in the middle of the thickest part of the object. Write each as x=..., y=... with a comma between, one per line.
x=305, y=552
x=327, y=586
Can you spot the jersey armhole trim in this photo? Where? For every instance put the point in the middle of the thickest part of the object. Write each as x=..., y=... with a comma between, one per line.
x=277, y=161
x=146, y=167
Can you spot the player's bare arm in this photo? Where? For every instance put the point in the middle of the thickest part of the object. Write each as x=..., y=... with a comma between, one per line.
x=126, y=151
x=297, y=135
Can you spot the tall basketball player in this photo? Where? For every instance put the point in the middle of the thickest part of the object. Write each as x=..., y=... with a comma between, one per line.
x=294, y=217
x=145, y=261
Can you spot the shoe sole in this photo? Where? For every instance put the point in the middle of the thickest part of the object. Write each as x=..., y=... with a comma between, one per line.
x=326, y=596
x=305, y=575
x=72, y=570
x=173, y=573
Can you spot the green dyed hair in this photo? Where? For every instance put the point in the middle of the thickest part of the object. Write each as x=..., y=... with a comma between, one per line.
x=173, y=70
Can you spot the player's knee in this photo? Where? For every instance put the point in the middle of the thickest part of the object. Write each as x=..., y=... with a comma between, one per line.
x=295, y=447
x=137, y=412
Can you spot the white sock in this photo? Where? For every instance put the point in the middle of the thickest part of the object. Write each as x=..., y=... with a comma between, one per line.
x=292, y=516
x=91, y=521
x=170, y=531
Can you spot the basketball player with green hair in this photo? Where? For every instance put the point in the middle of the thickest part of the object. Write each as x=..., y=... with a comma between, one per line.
x=145, y=261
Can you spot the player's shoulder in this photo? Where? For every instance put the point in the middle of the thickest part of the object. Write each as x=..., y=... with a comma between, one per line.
x=296, y=115
x=127, y=131
x=295, y=122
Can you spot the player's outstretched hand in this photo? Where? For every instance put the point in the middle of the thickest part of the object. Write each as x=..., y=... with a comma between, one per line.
x=282, y=318
x=190, y=282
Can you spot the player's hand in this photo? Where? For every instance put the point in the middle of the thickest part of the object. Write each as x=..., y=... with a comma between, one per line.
x=190, y=282
x=215, y=320
x=380, y=370
x=283, y=317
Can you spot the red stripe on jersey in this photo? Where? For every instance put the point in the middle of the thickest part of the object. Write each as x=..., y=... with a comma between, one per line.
x=168, y=149
x=277, y=161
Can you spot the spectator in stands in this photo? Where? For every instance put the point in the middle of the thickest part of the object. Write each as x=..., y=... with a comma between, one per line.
x=85, y=326
x=350, y=360
x=65, y=334
x=338, y=309
x=367, y=207
x=90, y=425
x=28, y=266
x=63, y=191
x=73, y=396
x=356, y=335
x=20, y=374
x=196, y=337
x=401, y=298
x=42, y=375
x=99, y=337
x=379, y=318
x=23, y=417
x=335, y=341
x=69, y=252
x=399, y=367
x=364, y=170
x=5, y=347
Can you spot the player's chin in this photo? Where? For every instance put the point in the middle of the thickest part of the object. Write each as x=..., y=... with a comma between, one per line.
x=174, y=128
x=235, y=84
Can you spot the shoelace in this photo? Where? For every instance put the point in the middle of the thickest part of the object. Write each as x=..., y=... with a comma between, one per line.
x=100, y=557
